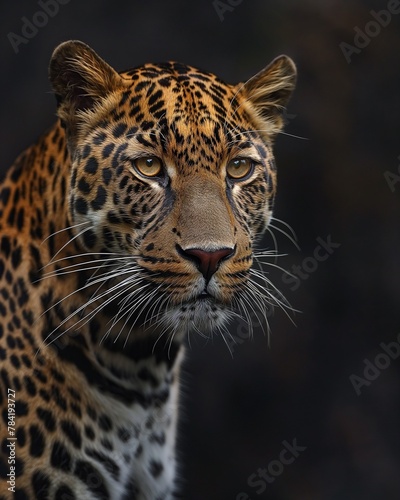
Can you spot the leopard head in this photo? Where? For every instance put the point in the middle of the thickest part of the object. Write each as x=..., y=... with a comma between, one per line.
x=172, y=177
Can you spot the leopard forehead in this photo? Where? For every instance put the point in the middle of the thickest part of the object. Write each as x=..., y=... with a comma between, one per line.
x=181, y=92
x=173, y=104
x=176, y=110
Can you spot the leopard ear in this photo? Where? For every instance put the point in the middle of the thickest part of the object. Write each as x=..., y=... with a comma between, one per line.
x=80, y=79
x=268, y=92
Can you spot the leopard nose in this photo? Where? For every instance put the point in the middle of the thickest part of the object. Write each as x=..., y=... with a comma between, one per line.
x=206, y=261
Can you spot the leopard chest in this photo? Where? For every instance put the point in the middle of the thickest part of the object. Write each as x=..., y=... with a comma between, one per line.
x=130, y=451
x=122, y=446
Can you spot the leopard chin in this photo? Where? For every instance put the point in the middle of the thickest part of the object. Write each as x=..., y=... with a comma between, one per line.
x=203, y=316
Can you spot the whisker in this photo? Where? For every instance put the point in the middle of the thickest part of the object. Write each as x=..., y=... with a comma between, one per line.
x=274, y=240
x=282, y=132
x=289, y=237
x=288, y=226
x=85, y=305
x=70, y=241
x=62, y=230
x=128, y=311
x=85, y=262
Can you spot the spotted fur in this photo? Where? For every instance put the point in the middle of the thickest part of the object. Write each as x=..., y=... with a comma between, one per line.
x=128, y=226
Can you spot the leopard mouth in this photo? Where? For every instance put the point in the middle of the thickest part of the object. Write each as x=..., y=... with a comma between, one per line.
x=206, y=297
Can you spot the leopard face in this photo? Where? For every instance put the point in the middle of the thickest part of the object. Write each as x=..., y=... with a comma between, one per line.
x=172, y=181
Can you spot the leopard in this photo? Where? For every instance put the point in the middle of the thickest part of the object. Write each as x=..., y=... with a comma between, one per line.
x=127, y=229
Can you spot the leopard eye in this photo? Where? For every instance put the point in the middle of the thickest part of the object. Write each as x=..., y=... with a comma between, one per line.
x=149, y=166
x=239, y=168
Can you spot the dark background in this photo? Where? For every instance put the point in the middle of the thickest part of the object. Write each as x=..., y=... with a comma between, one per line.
x=239, y=410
